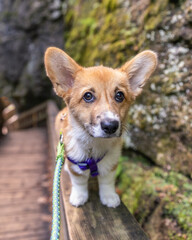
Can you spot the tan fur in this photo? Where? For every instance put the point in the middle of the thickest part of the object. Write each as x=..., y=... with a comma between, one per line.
x=108, y=80
x=70, y=164
x=72, y=81
x=102, y=81
x=61, y=122
x=114, y=167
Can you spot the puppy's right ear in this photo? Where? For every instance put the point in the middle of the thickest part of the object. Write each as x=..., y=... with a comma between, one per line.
x=61, y=70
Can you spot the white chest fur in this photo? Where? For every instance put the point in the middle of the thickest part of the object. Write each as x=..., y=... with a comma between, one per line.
x=82, y=146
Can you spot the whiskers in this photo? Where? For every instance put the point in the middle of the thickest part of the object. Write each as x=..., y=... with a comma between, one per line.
x=125, y=128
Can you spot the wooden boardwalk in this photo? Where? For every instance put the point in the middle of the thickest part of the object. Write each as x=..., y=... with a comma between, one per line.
x=24, y=183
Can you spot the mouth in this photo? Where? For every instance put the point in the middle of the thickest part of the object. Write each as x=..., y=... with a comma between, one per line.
x=105, y=136
x=111, y=136
x=97, y=132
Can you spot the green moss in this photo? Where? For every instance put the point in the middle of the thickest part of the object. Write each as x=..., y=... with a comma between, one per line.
x=155, y=8
x=101, y=36
x=153, y=22
x=154, y=14
x=142, y=186
x=110, y=5
x=102, y=32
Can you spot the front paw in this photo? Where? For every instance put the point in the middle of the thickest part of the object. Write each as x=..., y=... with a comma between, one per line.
x=110, y=199
x=78, y=198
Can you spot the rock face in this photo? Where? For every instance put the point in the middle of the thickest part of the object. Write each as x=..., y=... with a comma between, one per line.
x=1, y=117
x=160, y=121
x=113, y=31
x=27, y=28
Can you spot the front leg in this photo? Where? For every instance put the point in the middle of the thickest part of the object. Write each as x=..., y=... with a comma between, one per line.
x=107, y=193
x=79, y=191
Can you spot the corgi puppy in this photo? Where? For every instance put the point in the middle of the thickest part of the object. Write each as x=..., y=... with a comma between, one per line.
x=97, y=101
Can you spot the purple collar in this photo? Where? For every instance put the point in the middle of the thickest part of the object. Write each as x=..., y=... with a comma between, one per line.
x=89, y=163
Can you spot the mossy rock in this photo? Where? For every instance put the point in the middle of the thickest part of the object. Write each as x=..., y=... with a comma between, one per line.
x=144, y=187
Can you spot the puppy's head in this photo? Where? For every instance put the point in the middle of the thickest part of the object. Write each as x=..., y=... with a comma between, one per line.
x=99, y=97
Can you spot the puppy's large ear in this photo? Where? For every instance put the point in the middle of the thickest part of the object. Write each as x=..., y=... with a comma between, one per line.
x=61, y=70
x=139, y=69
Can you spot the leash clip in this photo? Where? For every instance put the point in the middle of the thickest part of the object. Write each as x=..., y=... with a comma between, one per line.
x=61, y=138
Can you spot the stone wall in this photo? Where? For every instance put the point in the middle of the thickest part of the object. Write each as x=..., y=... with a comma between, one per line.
x=27, y=28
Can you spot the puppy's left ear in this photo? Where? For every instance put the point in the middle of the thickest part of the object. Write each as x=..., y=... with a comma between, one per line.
x=139, y=69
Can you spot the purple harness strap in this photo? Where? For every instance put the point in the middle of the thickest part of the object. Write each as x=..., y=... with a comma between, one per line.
x=90, y=163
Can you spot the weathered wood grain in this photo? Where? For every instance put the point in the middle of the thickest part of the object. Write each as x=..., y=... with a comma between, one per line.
x=95, y=221
x=24, y=210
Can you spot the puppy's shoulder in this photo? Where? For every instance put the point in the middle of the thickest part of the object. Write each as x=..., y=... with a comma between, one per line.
x=61, y=121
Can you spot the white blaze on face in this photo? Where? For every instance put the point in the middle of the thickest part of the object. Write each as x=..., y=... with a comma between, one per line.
x=111, y=115
x=97, y=131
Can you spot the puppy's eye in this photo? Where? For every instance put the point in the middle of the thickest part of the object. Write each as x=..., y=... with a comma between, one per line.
x=88, y=97
x=119, y=96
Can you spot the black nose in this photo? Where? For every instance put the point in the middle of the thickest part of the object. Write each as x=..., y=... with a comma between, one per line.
x=109, y=126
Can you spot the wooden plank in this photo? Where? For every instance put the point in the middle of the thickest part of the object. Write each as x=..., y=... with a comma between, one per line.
x=16, y=203
x=25, y=218
x=21, y=157
x=20, y=164
x=24, y=183
x=29, y=208
x=21, y=168
x=95, y=221
x=9, y=111
x=40, y=237
x=24, y=234
x=7, y=173
x=26, y=206
x=21, y=186
x=22, y=195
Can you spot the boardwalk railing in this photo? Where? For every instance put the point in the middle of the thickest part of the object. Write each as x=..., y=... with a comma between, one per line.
x=93, y=221
x=26, y=119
